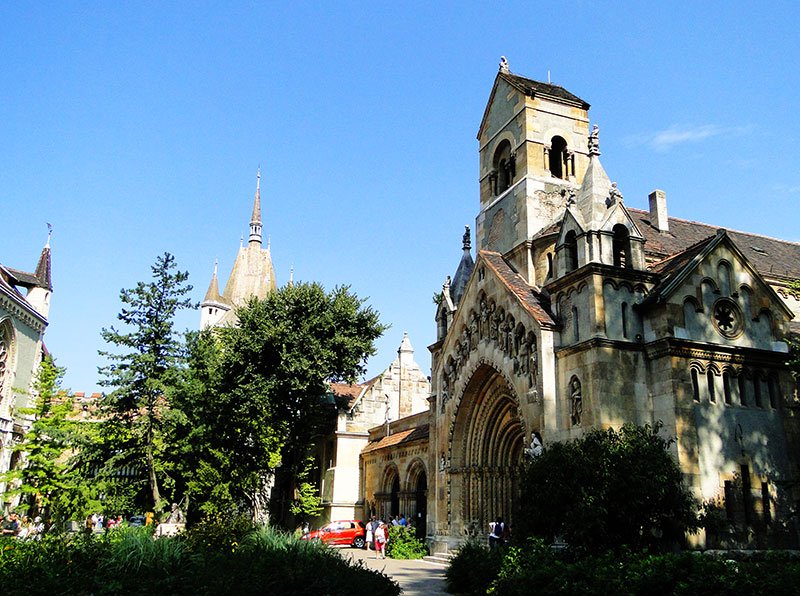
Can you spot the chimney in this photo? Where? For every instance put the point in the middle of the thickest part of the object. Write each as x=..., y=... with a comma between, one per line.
x=658, y=210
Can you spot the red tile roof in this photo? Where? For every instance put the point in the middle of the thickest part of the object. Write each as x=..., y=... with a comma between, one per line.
x=417, y=433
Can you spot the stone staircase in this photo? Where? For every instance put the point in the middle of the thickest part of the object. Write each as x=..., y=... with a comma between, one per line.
x=442, y=559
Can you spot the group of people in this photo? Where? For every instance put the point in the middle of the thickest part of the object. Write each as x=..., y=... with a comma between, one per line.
x=22, y=528
x=97, y=522
x=377, y=537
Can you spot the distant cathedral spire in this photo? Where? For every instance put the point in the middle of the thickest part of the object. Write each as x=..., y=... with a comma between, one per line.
x=255, y=218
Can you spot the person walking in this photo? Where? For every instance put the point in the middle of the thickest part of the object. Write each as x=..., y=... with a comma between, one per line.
x=370, y=537
x=381, y=538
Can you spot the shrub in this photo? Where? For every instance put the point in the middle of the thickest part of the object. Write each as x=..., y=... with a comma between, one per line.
x=403, y=544
x=637, y=574
x=473, y=568
x=606, y=490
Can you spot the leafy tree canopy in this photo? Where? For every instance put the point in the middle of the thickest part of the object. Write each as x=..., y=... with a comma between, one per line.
x=606, y=490
x=259, y=390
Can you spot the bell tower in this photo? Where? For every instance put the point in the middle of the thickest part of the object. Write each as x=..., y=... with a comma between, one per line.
x=533, y=155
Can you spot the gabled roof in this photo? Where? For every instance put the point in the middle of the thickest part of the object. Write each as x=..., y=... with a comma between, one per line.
x=532, y=88
x=770, y=256
x=677, y=268
x=530, y=300
x=417, y=433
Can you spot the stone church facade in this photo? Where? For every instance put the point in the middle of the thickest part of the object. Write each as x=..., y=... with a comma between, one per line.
x=580, y=312
x=24, y=308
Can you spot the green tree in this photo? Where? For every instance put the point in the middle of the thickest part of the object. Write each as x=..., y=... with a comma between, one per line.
x=605, y=490
x=49, y=483
x=142, y=375
x=264, y=388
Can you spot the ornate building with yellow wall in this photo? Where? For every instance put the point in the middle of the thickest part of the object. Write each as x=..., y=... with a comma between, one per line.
x=580, y=312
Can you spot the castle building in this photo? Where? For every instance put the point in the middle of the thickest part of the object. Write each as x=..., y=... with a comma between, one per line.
x=580, y=312
x=24, y=308
x=252, y=275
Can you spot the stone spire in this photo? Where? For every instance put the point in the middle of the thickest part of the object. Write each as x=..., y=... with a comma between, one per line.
x=212, y=295
x=464, y=270
x=592, y=199
x=406, y=351
x=43, y=267
x=255, y=218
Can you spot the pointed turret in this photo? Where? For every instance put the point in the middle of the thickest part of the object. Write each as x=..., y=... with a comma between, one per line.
x=592, y=199
x=213, y=307
x=212, y=295
x=255, y=218
x=39, y=294
x=406, y=351
x=464, y=270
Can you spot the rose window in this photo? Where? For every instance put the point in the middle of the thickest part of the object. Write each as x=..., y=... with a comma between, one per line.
x=727, y=318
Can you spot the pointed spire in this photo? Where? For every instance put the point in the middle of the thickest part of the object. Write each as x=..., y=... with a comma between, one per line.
x=43, y=267
x=464, y=269
x=212, y=295
x=255, y=218
x=592, y=199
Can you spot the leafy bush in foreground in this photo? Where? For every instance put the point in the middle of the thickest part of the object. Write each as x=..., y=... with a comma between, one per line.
x=627, y=573
x=130, y=561
x=403, y=544
x=473, y=568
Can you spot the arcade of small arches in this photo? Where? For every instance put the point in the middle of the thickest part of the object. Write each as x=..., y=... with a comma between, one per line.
x=734, y=386
x=408, y=496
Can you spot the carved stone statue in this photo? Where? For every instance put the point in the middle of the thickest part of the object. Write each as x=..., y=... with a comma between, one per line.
x=594, y=140
x=614, y=195
x=532, y=366
x=442, y=462
x=473, y=330
x=497, y=324
x=483, y=328
x=175, y=515
x=536, y=447
x=503, y=64
x=577, y=401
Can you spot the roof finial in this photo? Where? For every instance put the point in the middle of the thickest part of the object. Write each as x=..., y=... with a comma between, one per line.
x=291, y=275
x=594, y=140
x=467, y=239
x=216, y=264
x=503, y=64
x=258, y=178
x=49, y=233
x=241, y=240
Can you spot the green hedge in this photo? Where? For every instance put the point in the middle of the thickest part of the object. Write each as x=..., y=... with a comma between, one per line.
x=130, y=561
x=403, y=544
x=473, y=571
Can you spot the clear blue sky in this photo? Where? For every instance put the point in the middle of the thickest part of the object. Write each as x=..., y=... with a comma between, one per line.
x=136, y=128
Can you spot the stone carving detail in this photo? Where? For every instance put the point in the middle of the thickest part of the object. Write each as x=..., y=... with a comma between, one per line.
x=493, y=325
x=576, y=401
x=503, y=66
x=614, y=195
x=594, y=140
x=536, y=447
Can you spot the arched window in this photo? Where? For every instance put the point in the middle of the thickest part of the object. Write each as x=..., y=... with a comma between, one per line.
x=558, y=157
x=624, y=319
x=504, y=167
x=774, y=392
x=757, y=389
x=6, y=357
x=724, y=278
x=549, y=265
x=712, y=396
x=695, y=386
x=726, y=388
x=621, y=246
x=575, y=328
x=571, y=247
x=742, y=389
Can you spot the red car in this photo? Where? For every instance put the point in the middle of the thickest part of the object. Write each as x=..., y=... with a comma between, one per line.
x=351, y=532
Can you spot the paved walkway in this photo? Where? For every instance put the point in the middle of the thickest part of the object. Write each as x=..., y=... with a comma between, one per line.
x=417, y=577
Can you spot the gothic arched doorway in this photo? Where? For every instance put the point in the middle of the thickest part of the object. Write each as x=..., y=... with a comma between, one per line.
x=487, y=444
x=417, y=506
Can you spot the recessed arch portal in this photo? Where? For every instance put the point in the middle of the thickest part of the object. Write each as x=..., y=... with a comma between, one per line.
x=486, y=444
